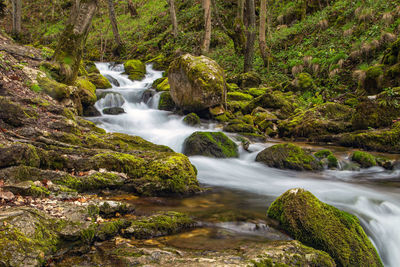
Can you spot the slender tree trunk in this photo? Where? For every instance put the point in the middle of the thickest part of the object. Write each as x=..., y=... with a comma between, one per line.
x=114, y=24
x=250, y=34
x=72, y=41
x=263, y=18
x=132, y=8
x=16, y=17
x=207, y=26
x=240, y=10
x=172, y=13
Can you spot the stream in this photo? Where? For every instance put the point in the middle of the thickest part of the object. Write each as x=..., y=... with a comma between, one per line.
x=251, y=185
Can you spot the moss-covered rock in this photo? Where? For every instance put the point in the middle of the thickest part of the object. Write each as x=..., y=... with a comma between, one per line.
x=375, y=113
x=324, y=227
x=246, y=80
x=86, y=91
x=93, y=182
x=373, y=79
x=163, y=85
x=321, y=120
x=166, y=102
x=90, y=67
x=19, y=154
x=295, y=254
x=288, y=156
x=210, y=144
x=365, y=159
x=286, y=103
x=239, y=96
x=54, y=89
x=12, y=113
x=99, y=81
x=239, y=127
x=135, y=69
x=27, y=237
x=159, y=225
x=191, y=119
x=327, y=158
x=197, y=83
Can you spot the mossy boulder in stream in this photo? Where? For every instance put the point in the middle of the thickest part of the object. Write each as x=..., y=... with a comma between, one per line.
x=136, y=69
x=166, y=102
x=365, y=159
x=191, y=119
x=210, y=144
x=197, y=83
x=99, y=81
x=86, y=91
x=324, y=227
x=288, y=156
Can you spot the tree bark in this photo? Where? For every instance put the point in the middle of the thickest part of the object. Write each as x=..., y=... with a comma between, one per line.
x=72, y=41
x=263, y=18
x=207, y=26
x=172, y=13
x=250, y=35
x=240, y=10
x=132, y=8
x=114, y=24
x=16, y=17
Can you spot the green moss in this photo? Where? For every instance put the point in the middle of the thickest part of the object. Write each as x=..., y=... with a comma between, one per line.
x=239, y=96
x=240, y=128
x=256, y=92
x=323, y=153
x=38, y=191
x=36, y=88
x=332, y=161
x=135, y=69
x=365, y=159
x=159, y=225
x=166, y=102
x=288, y=156
x=324, y=227
x=99, y=81
x=54, y=89
x=191, y=119
x=163, y=85
x=93, y=182
x=210, y=144
x=90, y=67
x=110, y=229
x=86, y=91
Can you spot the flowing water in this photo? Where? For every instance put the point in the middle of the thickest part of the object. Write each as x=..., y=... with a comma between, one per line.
x=362, y=193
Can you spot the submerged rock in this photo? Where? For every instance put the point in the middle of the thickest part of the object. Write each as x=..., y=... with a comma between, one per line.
x=135, y=69
x=113, y=111
x=324, y=227
x=197, y=83
x=210, y=144
x=288, y=156
x=112, y=80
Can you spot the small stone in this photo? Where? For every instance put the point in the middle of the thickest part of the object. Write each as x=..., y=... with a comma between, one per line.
x=6, y=195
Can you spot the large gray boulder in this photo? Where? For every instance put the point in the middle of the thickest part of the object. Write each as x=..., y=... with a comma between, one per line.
x=197, y=83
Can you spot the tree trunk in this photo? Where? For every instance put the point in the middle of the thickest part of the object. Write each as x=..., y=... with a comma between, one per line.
x=250, y=35
x=263, y=18
x=240, y=10
x=114, y=24
x=207, y=26
x=16, y=17
x=72, y=41
x=174, y=22
x=132, y=9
